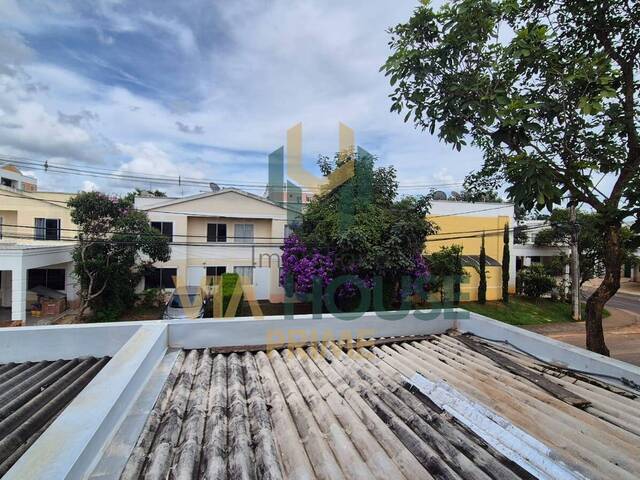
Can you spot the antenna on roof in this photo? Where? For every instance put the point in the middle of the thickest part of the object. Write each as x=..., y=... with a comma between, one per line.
x=439, y=195
x=214, y=187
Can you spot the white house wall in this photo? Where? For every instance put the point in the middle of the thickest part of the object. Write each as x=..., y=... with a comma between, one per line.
x=190, y=248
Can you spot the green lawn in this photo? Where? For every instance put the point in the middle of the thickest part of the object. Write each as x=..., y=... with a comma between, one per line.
x=523, y=311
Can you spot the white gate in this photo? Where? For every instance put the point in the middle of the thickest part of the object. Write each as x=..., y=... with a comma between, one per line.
x=194, y=276
x=261, y=282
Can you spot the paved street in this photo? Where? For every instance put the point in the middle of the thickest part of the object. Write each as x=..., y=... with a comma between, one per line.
x=622, y=328
x=624, y=300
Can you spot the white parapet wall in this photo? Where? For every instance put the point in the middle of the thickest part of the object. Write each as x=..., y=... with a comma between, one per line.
x=35, y=344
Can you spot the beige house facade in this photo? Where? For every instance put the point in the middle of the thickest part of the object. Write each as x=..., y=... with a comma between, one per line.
x=228, y=231
x=36, y=244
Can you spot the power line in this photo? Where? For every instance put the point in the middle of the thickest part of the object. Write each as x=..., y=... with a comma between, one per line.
x=63, y=202
x=439, y=233
x=80, y=170
x=105, y=240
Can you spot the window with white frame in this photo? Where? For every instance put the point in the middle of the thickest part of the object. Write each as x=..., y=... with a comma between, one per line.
x=243, y=233
x=47, y=229
x=245, y=273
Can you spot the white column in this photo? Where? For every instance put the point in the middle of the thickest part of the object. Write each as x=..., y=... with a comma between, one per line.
x=70, y=283
x=512, y=262
x=19, y=293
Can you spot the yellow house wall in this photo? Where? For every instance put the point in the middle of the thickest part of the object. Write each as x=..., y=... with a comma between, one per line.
x=20, y=211
x=455, y=226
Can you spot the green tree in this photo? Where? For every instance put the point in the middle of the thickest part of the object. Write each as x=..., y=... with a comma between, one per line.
x=506, y=259
x=363, y=227
x=476, y=196
x=591, y=243
x=446, y=272
x=138, y=192
x=553, y=105
x=482, y=285
x=115, y=245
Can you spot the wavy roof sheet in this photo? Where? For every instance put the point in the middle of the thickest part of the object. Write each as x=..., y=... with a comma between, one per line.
x=32, y=395
x=325, y=411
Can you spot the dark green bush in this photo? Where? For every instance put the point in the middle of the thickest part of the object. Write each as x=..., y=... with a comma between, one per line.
x=229, y=281
x=106, y=314
x=535, y=281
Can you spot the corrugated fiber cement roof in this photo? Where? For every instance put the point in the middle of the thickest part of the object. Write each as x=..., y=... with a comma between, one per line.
x=32, y=395
x=327, y=412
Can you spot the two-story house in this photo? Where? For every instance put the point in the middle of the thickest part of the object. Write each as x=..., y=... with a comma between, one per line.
x=212, y=233
x=36, y=243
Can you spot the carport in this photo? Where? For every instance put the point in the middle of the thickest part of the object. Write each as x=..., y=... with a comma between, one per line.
x=15, y=262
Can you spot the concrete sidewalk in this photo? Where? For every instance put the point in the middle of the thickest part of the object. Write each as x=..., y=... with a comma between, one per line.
x=621, y=330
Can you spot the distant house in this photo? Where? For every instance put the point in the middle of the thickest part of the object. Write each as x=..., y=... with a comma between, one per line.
x=36, y=242
x=528, y=253
x=218, y=232
x=12, y=177
x=462, y=223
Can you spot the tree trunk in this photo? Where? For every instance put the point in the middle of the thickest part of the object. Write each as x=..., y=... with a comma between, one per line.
x=607, y=289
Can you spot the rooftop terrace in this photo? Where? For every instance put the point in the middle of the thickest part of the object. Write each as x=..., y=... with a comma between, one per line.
x=456, y=396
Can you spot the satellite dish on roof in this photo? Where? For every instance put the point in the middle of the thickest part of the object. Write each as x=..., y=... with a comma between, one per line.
x=214, y=187
x=439, y=195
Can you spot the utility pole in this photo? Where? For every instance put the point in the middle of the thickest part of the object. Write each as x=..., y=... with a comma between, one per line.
x=576, y=314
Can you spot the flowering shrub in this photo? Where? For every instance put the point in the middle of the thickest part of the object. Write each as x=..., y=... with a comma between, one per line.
x=303, y=266
x=419, y=284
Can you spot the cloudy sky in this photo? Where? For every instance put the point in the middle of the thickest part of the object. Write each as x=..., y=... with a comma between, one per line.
x=202, y=89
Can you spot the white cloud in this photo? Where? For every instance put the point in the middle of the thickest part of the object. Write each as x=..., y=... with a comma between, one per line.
x=443, y=176
x=256, y=71
x=89, y=186
x=147, y=158
x=32, y=128
x=175, y=29
x=13, y=49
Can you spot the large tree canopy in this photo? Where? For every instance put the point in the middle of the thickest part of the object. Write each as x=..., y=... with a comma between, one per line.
x=548, y=89
x=115, y=244
x=359, y=229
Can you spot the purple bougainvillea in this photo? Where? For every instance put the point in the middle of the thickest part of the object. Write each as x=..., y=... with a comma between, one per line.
x=303, y=266
x=419, y=279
